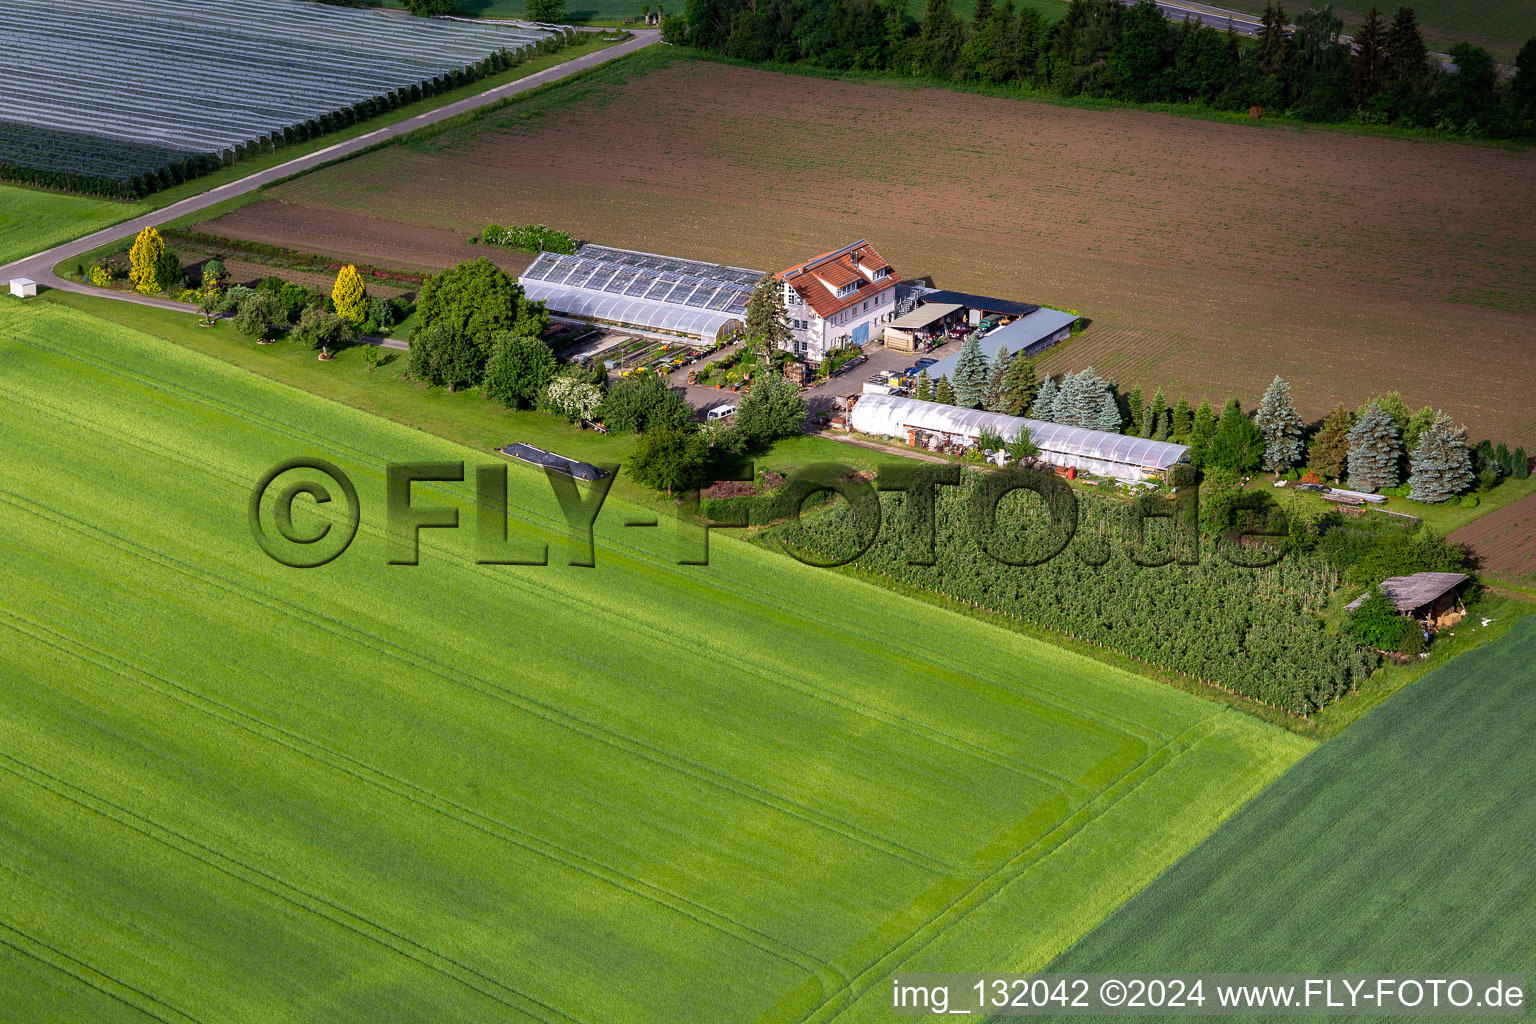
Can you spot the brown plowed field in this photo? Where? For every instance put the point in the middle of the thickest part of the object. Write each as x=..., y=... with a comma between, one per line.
x=376, y=240
x=1505, y=541
x=1210, y=256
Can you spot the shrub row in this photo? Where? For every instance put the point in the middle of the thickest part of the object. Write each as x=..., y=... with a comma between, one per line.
x=292, y=259
x=531, y=238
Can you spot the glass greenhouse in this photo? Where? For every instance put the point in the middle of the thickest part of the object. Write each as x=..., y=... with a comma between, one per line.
x=1092, y=451
x=643, y=290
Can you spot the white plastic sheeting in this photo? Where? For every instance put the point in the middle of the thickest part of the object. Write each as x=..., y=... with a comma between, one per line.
x=207, y=77
x=1093, y=451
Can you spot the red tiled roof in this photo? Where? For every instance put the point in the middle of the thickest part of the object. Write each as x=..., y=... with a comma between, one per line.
x=838, y=268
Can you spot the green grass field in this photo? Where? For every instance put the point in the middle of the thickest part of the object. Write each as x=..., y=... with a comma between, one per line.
x=640, y=792
x=32, y=220
x=1401, y=846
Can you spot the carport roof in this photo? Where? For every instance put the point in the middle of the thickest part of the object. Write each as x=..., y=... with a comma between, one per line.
x=924, y=315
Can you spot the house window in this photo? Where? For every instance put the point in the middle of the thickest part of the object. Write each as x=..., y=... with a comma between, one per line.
x=866, y=305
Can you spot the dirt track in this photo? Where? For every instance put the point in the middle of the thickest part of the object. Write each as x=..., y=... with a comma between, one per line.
x=1210, y=256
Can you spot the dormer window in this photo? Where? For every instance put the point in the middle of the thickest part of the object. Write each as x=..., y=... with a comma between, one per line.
x=848, y=289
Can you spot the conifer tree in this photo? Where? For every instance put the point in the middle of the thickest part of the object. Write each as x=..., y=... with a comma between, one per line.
x=1274, y=41
x=1155, y=414
x=995, y=399
x=971, y=375
x=1328, y=455
x=1281, y=427
x=1108, y=418
x=983, y=11
x=1522, y=464
x=1201, y=429
x=1442, y=465
x=1137, y=408
x=1374, y=450
x=766, y=322
x=943, y=393
x=1181, y=418
x=1164, y=423
x=153, y=268
x=349, y=295
x=1407, y=56
x=1019, y=386
x=1237, y=443
x=923, y=390
x=1044, y=407
x=1368, y=66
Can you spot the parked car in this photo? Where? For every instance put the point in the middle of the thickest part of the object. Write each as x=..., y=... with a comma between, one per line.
x=924, y=363
x=959, y=331
x=720, y=412
x=989, y=324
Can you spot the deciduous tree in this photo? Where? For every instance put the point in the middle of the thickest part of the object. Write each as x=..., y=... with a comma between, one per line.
x=774, y=408
x=152, y=267
x=670, y=459
x=519, y=370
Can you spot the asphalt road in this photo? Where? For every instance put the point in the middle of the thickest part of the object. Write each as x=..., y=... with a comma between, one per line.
x=1242, y=24
x=39, y=267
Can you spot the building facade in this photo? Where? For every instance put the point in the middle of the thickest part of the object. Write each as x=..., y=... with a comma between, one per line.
x=838, y=299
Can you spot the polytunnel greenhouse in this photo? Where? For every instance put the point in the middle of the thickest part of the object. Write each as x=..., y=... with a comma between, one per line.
x=147, y=93
x=1091, y=451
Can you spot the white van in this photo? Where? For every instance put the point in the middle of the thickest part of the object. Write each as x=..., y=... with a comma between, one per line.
x=720, y=412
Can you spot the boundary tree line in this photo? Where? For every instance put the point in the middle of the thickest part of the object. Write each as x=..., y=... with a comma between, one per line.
x=1102, y=49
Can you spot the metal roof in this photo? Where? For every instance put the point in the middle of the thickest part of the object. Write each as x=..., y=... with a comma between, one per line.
x=550, y=460
x=890, y=416
x=924, y=315
x=1007, y=307
x=1410, y=592
x=1021, y=334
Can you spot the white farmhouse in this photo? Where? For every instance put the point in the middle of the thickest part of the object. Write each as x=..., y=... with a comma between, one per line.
x=834, y=299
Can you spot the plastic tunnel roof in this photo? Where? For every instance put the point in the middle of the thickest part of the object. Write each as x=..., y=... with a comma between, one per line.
x=620, y=309
x=890, y=416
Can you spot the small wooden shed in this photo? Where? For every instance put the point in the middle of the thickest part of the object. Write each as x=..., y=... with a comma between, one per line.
x=1433, y=598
